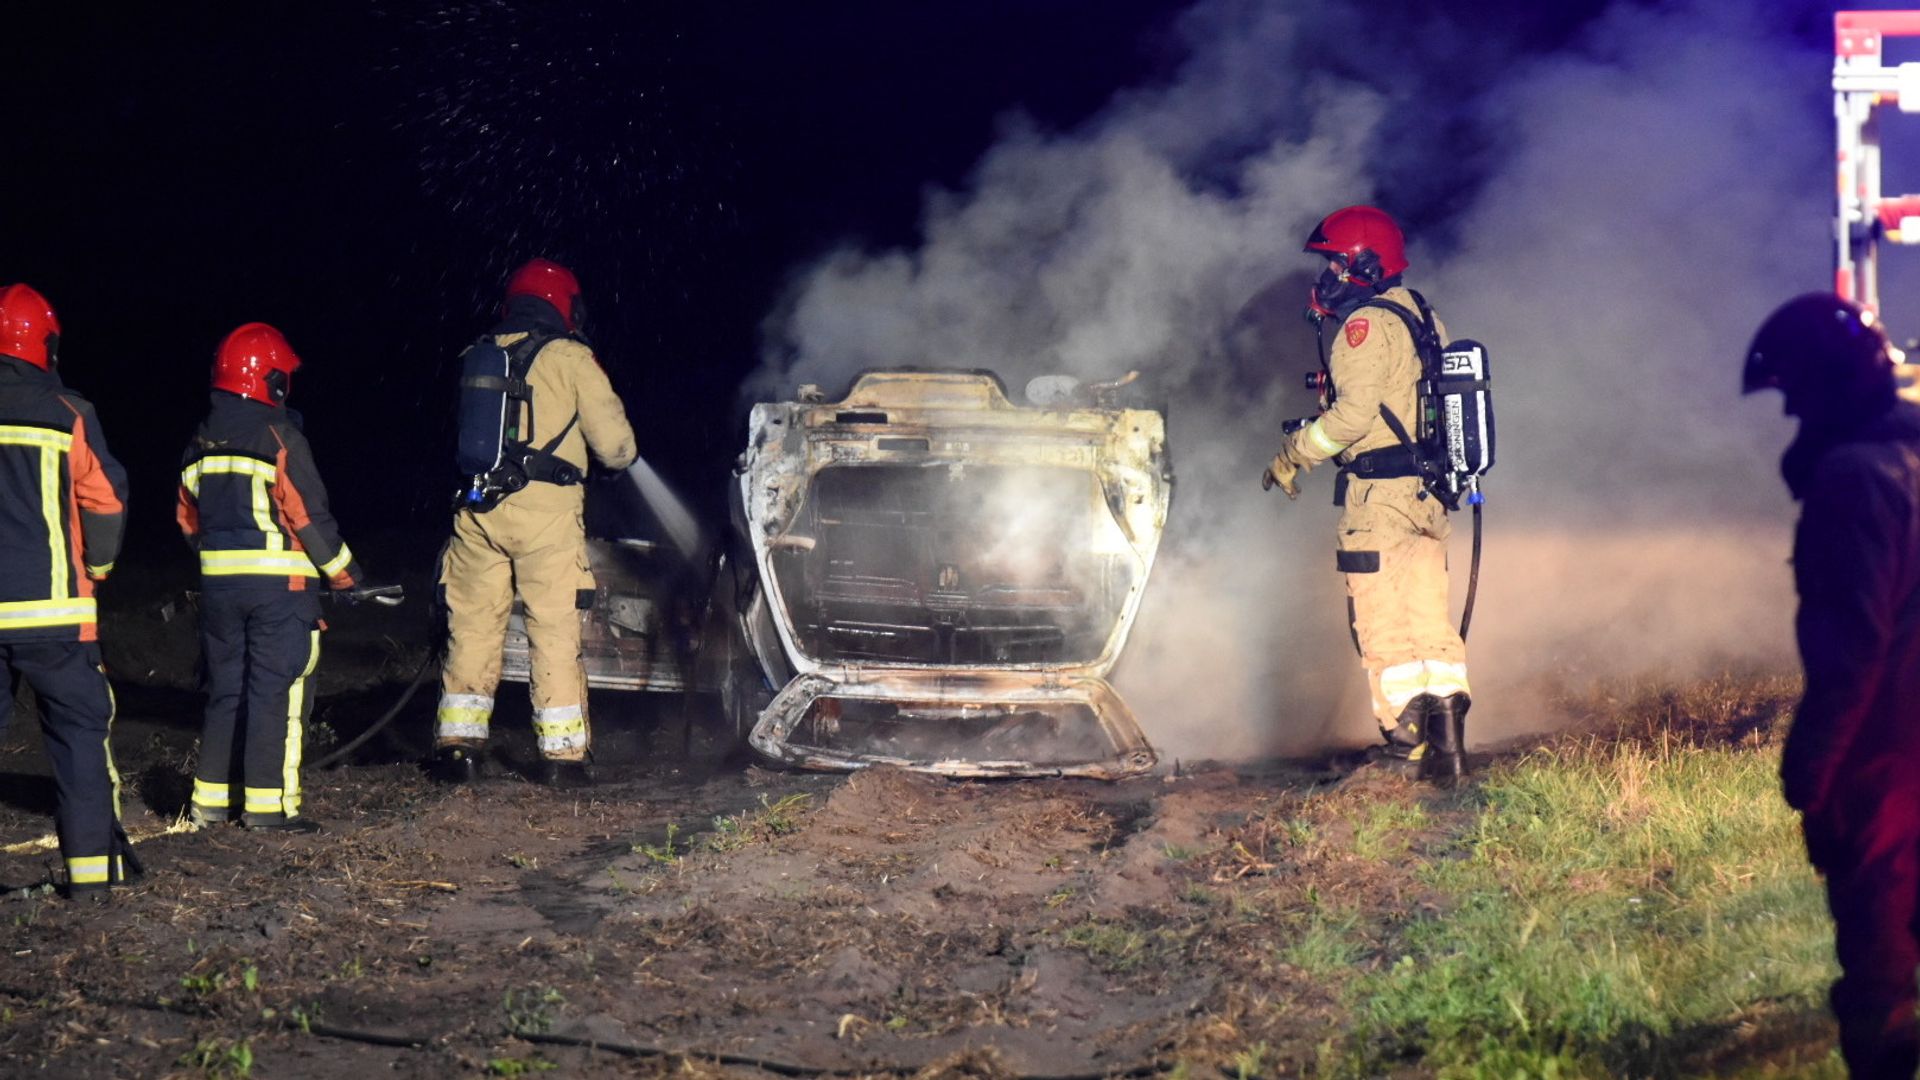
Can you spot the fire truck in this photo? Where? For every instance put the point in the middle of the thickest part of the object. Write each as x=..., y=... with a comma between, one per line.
x=1865, y=90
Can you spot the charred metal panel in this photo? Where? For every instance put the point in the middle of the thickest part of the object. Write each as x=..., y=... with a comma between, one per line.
x=636, y=636
x=956, y=723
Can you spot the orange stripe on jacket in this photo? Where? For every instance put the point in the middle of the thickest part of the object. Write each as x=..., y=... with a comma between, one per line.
x=85, y=482
x=91, y=488
x=289, y=505
x=187, y=512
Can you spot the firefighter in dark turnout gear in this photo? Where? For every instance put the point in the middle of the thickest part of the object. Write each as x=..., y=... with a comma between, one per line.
x=252, y=504
x=62, y=511
x=1852, y=760
x=1392, y=535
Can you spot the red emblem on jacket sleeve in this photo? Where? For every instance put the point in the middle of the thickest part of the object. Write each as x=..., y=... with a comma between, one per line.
x=1356, y=332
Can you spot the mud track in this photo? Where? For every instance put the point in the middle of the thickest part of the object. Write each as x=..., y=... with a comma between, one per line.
x=725, y=918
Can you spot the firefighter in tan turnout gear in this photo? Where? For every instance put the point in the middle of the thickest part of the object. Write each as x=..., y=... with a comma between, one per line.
x=520, y=523
x=1392, y=534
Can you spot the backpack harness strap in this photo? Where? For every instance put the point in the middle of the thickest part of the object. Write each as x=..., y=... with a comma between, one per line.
x=1406, y=459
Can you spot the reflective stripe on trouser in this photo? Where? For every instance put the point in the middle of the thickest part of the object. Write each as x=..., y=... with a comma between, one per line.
x=213, y=799
x=544, y=553
x=562, y=732
x=76, y=722
x=461, y=719
x=261, y=647
x=1401, y=620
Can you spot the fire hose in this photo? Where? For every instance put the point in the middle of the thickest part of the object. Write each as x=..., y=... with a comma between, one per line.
x=1473, y=573
x=386, y=596
x=339, y=754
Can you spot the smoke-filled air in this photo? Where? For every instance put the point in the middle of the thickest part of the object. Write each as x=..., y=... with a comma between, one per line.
x=1611, y=220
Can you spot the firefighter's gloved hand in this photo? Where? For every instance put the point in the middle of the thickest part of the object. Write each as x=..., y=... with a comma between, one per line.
x=1284, y=473
x=383, y=595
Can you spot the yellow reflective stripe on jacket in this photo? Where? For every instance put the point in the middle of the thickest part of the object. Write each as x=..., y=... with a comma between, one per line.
x=59, y=560
x=51, y=444
x=337, y=563
x=226, y=464
x=29, y=614
x=88, y=870
x=258, y=473
x=263, y=517
x=21, y=435
x=1317, y=434
x=272, y=563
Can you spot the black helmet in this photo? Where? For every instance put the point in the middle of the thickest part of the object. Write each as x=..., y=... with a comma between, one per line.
x=1823, y=352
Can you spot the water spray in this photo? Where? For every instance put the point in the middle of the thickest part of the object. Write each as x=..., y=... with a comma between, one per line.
x=674, y=517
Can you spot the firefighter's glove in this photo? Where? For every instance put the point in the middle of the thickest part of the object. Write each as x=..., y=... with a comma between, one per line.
x=383, y=595
x=1284, y=473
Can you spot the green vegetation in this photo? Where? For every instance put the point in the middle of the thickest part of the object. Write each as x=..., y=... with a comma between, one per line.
x=220, y=1059
x=1612, y=909
x=776, y=817
x=1328, y=946
x=532, y=1011
x=205, y=981
x=665, y=853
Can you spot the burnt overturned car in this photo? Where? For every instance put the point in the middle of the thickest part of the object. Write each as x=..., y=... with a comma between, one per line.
x=941, y=579
x=921, y=574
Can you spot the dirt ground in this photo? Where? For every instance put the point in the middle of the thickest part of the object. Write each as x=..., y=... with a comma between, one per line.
x=690, y=912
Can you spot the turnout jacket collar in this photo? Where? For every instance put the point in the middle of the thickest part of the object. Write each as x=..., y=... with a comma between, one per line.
x=15, y=370
x=1891, y=421
x=532, y=315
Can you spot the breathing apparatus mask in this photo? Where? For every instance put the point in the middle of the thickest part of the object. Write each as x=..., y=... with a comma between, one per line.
x=1343, y=286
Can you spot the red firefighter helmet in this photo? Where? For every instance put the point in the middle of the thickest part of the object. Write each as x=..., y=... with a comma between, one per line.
x=29, y=330
x=551, y=282
x=1352, y=233
x=255, y=362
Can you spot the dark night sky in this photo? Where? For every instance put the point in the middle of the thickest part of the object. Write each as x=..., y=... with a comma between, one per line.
x=364, y=176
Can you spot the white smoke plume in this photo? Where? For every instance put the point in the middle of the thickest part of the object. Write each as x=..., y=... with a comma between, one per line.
x=1642, y=199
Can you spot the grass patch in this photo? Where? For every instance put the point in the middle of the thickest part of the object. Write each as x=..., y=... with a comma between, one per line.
x=776, y=817
x=1328, y=946
x=1613, y=909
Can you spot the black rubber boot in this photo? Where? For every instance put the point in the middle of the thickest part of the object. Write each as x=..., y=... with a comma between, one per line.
x=566, y=775
x=1406, y=748
x=1446, y=758
x=454, y=765
x=299, y=824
